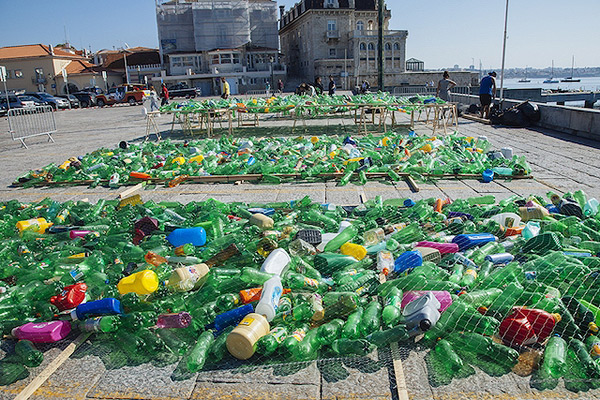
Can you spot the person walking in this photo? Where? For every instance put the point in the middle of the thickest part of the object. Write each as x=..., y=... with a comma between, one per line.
x=331, y=86
x=444, y=86
x=280, y=86
x=164, y=92
x=153, y=100
x=487, y=91
x=226, y=91
x=319, y=89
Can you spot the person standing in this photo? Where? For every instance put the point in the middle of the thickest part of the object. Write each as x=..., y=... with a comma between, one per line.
x=226, y=91
x=164, y=94
x=280, y=86
x=487, y=91
x=331, y=86
x=444, y=86
x=319, y=89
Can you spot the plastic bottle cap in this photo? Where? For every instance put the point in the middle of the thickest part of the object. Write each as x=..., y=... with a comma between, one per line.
x=558, y=318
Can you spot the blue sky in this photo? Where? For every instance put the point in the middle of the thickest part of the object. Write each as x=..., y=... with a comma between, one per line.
x=441, y=33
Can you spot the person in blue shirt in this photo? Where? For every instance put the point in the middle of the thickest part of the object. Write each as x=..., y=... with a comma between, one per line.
x=487, y=91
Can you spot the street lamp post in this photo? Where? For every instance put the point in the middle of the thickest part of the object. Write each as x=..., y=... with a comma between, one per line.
x=503, y=56
x=272, y=59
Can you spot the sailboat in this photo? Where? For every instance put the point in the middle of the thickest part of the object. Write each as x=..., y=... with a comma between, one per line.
x=570, y=78
x=524, y=80
x=551, y=79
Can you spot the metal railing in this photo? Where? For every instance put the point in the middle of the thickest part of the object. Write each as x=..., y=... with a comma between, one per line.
x=24, y=123
x=427, y=90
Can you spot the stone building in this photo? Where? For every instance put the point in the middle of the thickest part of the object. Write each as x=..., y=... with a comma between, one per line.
x=339, y=38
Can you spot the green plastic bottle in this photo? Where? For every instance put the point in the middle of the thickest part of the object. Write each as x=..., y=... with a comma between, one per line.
x=344, y=236
x=371, y=318
x=28, y=354
x=554, y=357
x=392, y=313
x=392, y=335
x=330, y=331
x=451, y=361
x=11, y=372
x=359, y=347
x=197, y=357
x=268, y=344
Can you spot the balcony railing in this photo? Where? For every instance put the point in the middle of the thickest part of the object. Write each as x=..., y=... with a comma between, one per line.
x=146, y=67
x=333, y=34
x=374, y=34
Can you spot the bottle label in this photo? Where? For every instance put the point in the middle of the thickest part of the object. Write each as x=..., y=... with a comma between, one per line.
x=595, y=352
x=299, y=335
x=309, y=282
x=247, y=321
x=530, y=275
x=92, y=324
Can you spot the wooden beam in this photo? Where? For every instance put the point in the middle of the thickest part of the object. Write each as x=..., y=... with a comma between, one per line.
x=39, y=380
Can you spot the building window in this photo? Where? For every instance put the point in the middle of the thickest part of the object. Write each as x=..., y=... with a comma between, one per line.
x=331, y=25
x=236, y=58
x=370, y=25
x=360, y=26
x=363, y=47
x=332, y=53
x=330, y=3
x=225, y=58
x=396, y=46
x=388, y=47
x=371, y=46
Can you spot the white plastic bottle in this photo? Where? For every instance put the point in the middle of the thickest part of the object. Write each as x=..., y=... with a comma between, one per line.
x=276, y=262
x=269, y=298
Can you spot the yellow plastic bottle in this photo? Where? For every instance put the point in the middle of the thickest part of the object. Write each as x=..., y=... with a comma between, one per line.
x=355, y=250
x=36, y=224
x=179, y=160
x=198, y=159
x=142, y=283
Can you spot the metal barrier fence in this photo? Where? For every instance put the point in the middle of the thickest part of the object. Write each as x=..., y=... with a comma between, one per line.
x=24, y=123
x=427, y=91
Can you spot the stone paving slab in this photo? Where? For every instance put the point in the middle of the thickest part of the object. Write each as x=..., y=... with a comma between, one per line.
x=292, y=373
x=145, y=381
x=246, y=390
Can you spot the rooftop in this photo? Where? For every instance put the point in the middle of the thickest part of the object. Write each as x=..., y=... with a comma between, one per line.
x=34, y=50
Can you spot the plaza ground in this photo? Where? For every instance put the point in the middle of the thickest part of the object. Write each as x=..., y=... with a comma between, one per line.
x=560, y=163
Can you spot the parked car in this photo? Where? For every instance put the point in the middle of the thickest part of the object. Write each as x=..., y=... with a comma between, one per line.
x=131, y=93
x=86, y=99
x=183, y=90
x=29, y=101
x=13, y=102
x=93, y=89
x=72, y=99
x=55, y=102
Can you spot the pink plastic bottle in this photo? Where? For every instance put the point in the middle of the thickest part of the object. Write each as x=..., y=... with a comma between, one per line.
x=441, y=295
x=43, y=332
x=443, y=248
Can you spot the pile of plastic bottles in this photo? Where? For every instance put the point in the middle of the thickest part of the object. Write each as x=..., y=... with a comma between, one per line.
x=513, y=285
x=322, y=104
x=307, y=157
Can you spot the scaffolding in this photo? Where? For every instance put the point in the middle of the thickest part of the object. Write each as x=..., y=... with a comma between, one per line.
x=204, y=25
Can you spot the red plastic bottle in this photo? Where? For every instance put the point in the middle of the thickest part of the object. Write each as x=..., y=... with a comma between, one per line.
x=527, y=326
x=70, y=297
x=516, y=330
x=542, y=322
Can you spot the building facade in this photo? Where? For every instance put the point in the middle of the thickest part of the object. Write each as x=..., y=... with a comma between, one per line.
x=339, y=38
x=203, y=40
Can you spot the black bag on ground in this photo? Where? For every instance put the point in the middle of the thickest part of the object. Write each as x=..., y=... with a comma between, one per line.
x=531, y=111
x=473, y=109
x=514, y=118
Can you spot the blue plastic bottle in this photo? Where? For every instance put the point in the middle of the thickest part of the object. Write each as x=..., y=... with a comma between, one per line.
x=181, y=236
x=232, y=317
x=108, y=306
x=487, y=176
x=468, y=240
x=408, y=260
x=265, y=211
